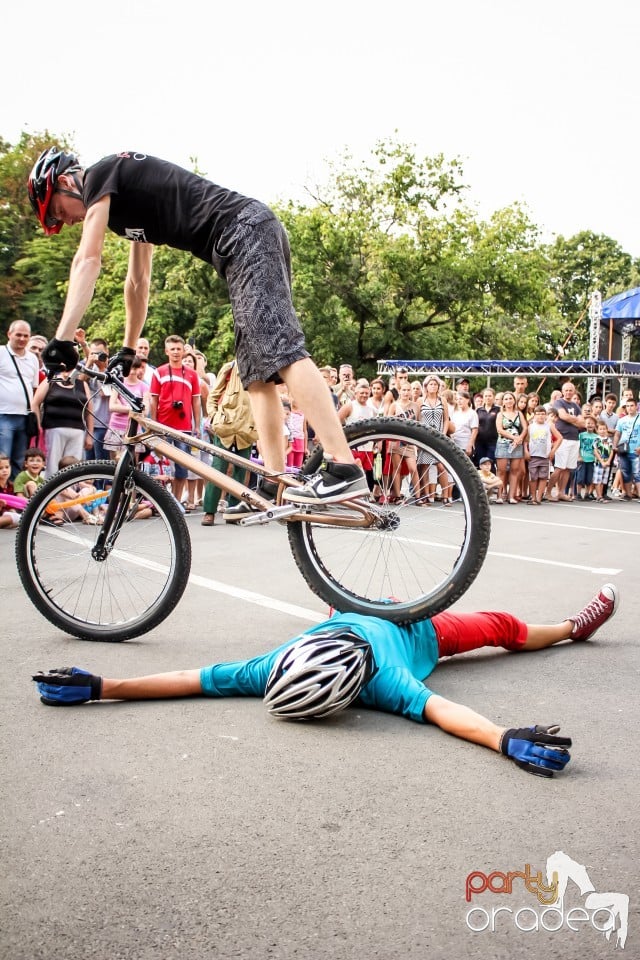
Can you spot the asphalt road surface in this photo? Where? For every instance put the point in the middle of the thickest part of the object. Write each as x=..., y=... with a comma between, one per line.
x=206, y=829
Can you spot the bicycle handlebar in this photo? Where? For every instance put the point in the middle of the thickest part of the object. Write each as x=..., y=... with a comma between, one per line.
x=112, y=378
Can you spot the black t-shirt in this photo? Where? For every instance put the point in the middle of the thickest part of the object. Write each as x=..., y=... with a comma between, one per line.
x=153, y=201
x=64, y=406
x=487, y=430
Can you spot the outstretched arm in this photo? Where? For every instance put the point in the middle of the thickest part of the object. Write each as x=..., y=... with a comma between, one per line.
x=85, y=269
x=178, y=683
x=463, y=722
x=536, y=749
x=136, y=291
x=68, y=686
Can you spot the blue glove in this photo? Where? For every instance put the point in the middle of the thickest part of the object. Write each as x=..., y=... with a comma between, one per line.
x=536, y=749
x=122, y=361
x=60, y=355
x=67, y=686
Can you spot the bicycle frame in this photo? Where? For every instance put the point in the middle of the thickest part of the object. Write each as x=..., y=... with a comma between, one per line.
x=362, y=513
x=394, y=560
x=354, y=513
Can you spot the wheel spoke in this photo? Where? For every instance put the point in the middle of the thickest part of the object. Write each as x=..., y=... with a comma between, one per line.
x=418, y=558
x=141, y=574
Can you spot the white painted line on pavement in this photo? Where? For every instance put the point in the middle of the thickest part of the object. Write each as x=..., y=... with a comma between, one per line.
x=248, y=595
x=570, y=526
x=516, y=556
x=258, y=598
x=609, y=571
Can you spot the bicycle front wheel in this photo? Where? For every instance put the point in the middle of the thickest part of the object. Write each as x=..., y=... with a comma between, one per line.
x=113, y=594
x=429, y=536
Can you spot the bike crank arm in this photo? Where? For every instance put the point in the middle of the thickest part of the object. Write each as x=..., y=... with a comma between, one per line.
x=267, y=516
x=355, y=513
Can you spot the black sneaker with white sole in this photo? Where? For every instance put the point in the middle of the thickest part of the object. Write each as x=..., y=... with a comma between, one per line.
x=336, y=482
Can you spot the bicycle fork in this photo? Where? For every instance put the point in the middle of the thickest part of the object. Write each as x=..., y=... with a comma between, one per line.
x=118, y=508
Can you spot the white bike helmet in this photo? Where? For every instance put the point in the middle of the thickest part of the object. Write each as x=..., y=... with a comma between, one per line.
x=319, y=675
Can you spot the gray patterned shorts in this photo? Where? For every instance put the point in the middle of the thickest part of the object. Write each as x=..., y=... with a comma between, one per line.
x=254, y=258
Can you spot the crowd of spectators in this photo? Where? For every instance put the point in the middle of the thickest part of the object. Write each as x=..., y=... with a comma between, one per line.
x=525, y=450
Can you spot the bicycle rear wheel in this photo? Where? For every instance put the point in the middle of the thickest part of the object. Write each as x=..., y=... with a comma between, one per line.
x=418, y=557
x=139, y=578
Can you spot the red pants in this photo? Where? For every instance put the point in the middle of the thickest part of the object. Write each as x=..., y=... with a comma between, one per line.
x=461, y=632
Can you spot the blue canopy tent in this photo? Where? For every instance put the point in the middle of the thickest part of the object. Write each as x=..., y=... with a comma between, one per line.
x=619, y=314
x=624, y=311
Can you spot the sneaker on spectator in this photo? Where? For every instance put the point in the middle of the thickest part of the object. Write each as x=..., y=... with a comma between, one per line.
x=596, y=613
x=265, y=488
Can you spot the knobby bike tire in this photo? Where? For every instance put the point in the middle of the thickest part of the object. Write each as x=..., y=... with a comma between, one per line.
x=135, y=587
x=421, y=557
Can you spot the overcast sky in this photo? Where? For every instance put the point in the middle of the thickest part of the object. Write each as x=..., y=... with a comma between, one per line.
x=539, y=100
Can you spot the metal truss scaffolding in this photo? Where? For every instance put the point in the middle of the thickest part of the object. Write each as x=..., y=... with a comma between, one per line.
x=500, y=368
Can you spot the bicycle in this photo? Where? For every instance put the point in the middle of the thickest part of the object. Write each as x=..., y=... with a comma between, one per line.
x=122, y=576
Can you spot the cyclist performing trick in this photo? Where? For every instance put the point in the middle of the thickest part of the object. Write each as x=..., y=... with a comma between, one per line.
x=150, y=201
x=353, y=552
x=383, y=665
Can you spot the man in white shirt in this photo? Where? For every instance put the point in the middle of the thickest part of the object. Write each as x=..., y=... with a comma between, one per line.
x=18, y=380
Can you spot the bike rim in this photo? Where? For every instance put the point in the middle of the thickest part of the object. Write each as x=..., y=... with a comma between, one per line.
x=423, y=551
x=101, y=597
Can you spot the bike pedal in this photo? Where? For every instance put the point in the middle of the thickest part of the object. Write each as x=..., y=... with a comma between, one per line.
x=268, y=516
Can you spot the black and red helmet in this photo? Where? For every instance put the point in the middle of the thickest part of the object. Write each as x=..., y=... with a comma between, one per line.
x=42, y=182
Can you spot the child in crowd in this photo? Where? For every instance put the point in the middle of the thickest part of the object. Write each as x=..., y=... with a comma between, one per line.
x=543, y=441
x=119, y=410
x=597, y=407
x=609, y=415
x=286, y=432
x=584, y=475
x=297, y=424
x=27, y=482
x=158, y=467
x=90, y=511
x=603, y=458
x=85, y=502
x=491, y=483
x=9, y=519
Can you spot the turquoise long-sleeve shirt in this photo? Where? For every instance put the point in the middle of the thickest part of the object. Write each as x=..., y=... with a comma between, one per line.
x=404, y=656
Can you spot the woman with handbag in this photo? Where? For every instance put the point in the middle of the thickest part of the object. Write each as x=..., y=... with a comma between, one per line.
x=63, y=408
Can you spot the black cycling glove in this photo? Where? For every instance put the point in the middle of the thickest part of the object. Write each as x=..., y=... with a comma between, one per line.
x=122, y=360
x=68, y=686
x=60, y=355
x=536, y=749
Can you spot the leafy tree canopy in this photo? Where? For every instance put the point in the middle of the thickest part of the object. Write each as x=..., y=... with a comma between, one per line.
x=389, y=258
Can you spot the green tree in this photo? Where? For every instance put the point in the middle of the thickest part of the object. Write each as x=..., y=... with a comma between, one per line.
x=390, y=263
x=576, y=267
x=17, y=222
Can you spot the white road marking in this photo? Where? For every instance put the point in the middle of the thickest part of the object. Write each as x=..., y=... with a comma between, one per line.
x=258, y=598
x=608, y=571
x=304, y=613
x=569, y=526
x=519, y=557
